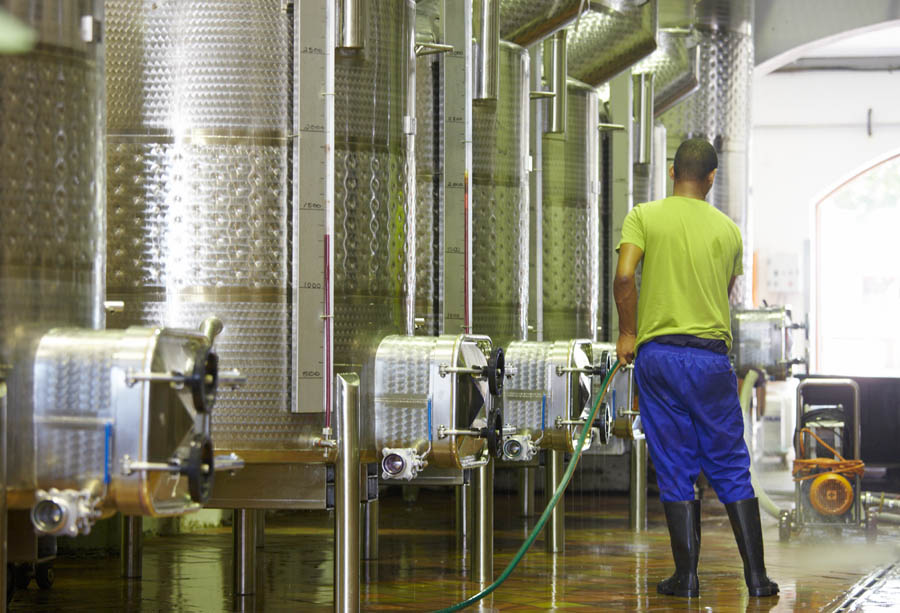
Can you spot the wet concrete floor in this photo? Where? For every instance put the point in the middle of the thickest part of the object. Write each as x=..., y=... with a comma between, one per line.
x=604, y=567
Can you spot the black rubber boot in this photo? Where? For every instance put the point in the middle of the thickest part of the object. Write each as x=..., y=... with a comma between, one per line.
x=744, y=516
x=683, y=519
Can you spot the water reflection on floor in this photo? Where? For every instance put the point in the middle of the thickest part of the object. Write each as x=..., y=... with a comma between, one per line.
x=604, y=568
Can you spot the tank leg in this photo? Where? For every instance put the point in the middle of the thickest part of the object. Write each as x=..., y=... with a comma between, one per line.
x=526, y=491
x=6, y=581
x=464, y=513
x=243, y=529
x=260, y=528
x=132, y=546
x=637, y=493
x=555, y=531
x=346, y=499
x=369, y=526
x=483, y=499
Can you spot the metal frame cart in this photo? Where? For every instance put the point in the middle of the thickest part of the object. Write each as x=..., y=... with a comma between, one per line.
x=827, y=490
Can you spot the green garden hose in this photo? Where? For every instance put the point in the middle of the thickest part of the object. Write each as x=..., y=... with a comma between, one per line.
x=567, y=476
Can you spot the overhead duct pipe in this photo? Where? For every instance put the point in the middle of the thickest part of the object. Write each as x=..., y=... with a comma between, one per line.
x=719, y=112
x=555, y=67
x=486, y=48
x=525, y=22
x=609, y=37
x=675, y=66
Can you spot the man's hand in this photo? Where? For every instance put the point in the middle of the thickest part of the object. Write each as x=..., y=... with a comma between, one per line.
x=625, y=348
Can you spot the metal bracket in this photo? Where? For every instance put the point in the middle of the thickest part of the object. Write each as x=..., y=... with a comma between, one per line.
x=176, y=379
x=560, y=422
x=610, y=127
x=443, y=432
x=445, y=369
x=541, y=95
x=432, y=49
x=586, y=370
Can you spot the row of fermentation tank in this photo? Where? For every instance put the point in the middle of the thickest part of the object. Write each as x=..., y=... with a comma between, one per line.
x=162, y=250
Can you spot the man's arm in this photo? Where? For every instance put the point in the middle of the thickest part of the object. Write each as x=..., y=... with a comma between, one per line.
x=731, y=285
x=626, y=295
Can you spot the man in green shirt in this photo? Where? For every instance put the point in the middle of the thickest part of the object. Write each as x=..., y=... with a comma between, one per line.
x=677, y=330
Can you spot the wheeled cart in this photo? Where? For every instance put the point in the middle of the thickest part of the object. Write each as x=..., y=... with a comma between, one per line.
x=828, y=469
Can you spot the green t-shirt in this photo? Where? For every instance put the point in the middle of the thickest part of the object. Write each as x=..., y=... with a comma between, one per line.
x=691, y=252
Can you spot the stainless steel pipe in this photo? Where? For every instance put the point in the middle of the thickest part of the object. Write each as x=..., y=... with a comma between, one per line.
x=346, y=497
x=555, y=531
x=243, y=530
x=483, y=501
x=555, y=67
x=643, y=116
x=526, y=491
x=3, y=524
x=637, y=492
x=350, y=24
x=132, y=546
x=369, y=525
x=486, y=48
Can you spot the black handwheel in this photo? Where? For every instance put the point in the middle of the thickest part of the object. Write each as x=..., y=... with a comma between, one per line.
x=496, y=371
x=199, y=468
x=604, y=364
x=44, y=575
x=603, y=422
x=204, y=381
x=493, y=433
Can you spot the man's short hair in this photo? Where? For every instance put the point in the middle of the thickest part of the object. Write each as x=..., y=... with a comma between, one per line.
x=694, y=160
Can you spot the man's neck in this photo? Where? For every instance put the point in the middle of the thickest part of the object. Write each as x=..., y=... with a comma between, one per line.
x=689, y=189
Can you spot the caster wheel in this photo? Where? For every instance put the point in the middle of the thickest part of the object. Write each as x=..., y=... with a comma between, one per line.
x=10, y=583
x=784, y=527
x=44, y=575
x=22, y=575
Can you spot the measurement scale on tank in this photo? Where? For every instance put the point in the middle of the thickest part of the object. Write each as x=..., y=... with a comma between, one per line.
x=458, y=166
x=313, y=211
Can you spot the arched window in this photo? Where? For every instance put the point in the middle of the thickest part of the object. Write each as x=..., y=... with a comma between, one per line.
x=857, y=297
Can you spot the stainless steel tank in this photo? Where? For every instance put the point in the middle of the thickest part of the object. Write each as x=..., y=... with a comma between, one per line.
x=500, y=203
x=374, y=217
x=200, y=212
x=549, y=390
x=571, y=223
x=105, y=420
x=51, y=205
x=434, y=403
x=720, y=112
x=197, y=186
x=52, y=213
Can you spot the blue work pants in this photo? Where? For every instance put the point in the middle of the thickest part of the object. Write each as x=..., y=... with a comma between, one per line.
x=692, y=419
